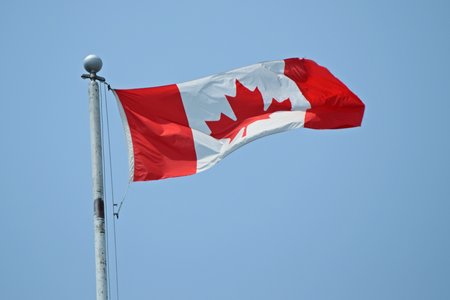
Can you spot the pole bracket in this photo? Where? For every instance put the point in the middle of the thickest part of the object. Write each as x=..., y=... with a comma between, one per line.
x=93, y=76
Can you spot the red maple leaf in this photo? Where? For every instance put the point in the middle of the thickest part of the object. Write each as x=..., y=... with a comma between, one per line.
x=248, y=107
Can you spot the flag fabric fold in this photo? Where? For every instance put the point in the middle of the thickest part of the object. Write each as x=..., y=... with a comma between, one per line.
x=182, y=129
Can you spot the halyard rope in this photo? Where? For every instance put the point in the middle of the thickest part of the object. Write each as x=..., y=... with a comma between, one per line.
x=106, y=116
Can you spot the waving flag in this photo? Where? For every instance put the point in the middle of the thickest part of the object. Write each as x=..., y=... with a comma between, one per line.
x=182, y=129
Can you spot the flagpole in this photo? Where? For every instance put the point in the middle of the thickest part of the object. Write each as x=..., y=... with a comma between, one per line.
x=93, y=64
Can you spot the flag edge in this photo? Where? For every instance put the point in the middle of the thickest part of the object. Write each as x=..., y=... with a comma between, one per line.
x=128, y=137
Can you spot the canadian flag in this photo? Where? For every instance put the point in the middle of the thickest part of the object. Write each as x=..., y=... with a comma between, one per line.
x=182, y=129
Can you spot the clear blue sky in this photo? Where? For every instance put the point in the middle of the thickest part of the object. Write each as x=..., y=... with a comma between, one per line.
x=354, y=214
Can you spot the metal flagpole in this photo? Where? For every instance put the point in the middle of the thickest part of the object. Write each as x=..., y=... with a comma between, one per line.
x=93, y=64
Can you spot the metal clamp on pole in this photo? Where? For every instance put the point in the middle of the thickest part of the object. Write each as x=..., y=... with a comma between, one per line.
x=93, y=64
x=93, y=76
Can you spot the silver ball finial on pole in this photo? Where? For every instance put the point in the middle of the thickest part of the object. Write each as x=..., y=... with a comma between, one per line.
x=93, y=64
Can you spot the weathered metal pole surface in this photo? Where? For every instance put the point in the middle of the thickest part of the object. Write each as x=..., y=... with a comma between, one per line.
x=93, y=64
